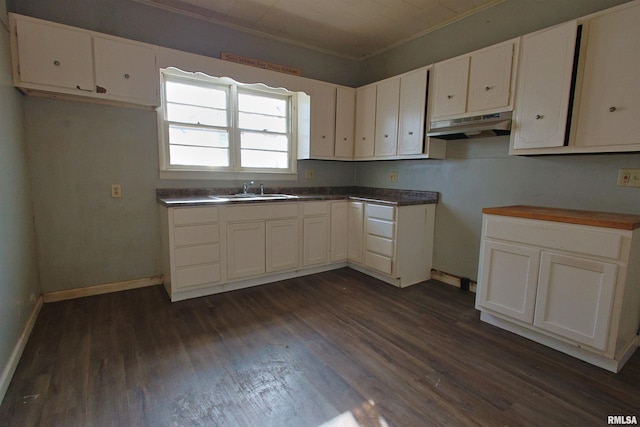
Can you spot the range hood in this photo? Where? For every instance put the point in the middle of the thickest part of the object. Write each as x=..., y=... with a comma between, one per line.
x=472, y=127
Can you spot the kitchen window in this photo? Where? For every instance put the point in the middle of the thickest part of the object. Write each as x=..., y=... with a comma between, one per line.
x=216, y=127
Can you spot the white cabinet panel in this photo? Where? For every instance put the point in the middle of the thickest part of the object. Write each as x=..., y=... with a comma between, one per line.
x=196, y=276
x=345, y=122
x=126, y=70
x=193, y=255
x=282, y=245
x=413, y=95
x=200, y=215
x=387, y=105
x=450, y=82
x=509, y=277
x=55, y=56
x=323, y=116
x=490, y=78
x=196, y=234
x=355, y=246
x=245, y=249
x=339, y=231
x=575, y=298
x=365, y=121
x=544, y=87
x=315, y=236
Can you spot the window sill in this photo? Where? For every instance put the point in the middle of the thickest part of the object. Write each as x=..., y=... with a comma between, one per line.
x=229, y=176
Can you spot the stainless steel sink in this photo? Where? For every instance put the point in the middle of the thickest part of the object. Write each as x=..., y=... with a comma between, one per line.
x=250, y=197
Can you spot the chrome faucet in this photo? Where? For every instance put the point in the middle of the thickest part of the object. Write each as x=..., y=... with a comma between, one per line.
x=261, y=188
x=246, y=187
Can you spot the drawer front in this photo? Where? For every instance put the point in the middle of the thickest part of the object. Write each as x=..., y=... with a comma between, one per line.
x=316, y=208
x=381, y=212
x=194, y=255
x=378, y=262
x=260, y=211
x=568, y=237
x=196, y=276
x=380, y=245
x=200, y=215
x=196, y=235
x=380, y=228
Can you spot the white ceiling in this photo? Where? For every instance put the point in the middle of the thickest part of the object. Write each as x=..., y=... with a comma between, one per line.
x=350, y=28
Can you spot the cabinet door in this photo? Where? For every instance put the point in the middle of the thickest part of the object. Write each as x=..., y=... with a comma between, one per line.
x=282, y=245
x=508, y=279
x=610, y=95
x=413, y=95
x=339, y=231
x=544, y=86
x=316, y=232
x=490, y=78
x=450, y=80
x=575, y=298
x=387, y=104
x=365, y=121
x=245, y=249
x=345, y=122
x=356, y=232
x=55, y=56
x=323, y=116
x=126, y=70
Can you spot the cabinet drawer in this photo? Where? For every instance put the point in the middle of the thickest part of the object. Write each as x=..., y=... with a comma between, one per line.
x=380, y=245
x=184, y=216
x=378, y=262
x=316, y=208
x=566, y=237
x=260, y=212
x=195, y=276
x=195, y=235
x=194, y=255
x=380, y=228
x=381, y=212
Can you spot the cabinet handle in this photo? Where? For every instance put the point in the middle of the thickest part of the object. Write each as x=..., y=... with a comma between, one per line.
x=487, y=88
x=126, y=76
x=539, y=116
x=410, y=133
x=612, y=109
x=85, y=90
x=56, y=63
x=449, y=96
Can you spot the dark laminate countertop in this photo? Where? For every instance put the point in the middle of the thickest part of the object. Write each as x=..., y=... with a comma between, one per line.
x=174, y=197
x=571, y=216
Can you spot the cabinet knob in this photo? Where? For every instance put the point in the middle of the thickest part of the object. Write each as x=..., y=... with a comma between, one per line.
x=487, y=88
x=386, y=136
x=612, y=109
x=449, y=96
x=345, y=138
x=539, y=116
x=323, y=137
x=410, y=133
x=364, y=138
x=126, y=76
x=56, y=63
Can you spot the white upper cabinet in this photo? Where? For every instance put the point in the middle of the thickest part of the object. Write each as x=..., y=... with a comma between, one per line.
x=323, y=116
x=387, y=104
x=345, y=122
x=476, y=83
x=450, y=84
x=609, y=97
x=53, y=56
x=365, y=121
x=413, y=96
x=544, y=87
x=126, y=70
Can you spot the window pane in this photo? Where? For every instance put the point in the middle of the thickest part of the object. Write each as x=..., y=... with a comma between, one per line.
x=186, y=93
x=198, y=156
x=179, y=135
x=265, y=123
x=196, y=115
x=264, y=141
x=264, y=159
x=262, y=104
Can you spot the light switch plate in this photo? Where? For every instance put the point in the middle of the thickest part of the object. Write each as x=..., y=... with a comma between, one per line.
x=629, y=178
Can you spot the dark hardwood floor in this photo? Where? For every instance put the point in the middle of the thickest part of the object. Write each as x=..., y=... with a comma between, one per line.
x=337, y=348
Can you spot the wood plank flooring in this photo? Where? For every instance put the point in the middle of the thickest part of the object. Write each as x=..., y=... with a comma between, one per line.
x=333, y=349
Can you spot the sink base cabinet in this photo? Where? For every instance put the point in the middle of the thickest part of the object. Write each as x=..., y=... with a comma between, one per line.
x=571, y=287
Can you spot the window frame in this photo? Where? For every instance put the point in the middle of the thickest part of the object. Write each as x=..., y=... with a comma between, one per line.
x=234, y=170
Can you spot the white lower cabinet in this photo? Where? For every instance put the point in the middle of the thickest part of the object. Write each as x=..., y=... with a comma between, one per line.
x=315, y=233
x=282, y=245
x=246, y=249
x=339, y=231
x=571, y=287
x=355, y=234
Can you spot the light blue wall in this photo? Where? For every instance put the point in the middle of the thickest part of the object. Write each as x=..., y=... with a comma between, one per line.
x=19, y=286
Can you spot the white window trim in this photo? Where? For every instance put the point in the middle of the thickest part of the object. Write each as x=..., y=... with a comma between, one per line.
x=168, y=171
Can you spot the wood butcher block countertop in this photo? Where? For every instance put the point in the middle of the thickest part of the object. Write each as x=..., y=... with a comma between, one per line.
x=597, y=219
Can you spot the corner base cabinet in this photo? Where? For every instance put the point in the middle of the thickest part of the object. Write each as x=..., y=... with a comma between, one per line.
x=570, y=286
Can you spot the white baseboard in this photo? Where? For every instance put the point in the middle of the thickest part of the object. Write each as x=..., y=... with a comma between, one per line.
x=12, y=363
x=102, y=289
x=450, y=279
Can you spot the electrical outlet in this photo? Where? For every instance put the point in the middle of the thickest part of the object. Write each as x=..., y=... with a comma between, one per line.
x=116, y=191
x=629, y=178
x=309, y=174
x=393, y=176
